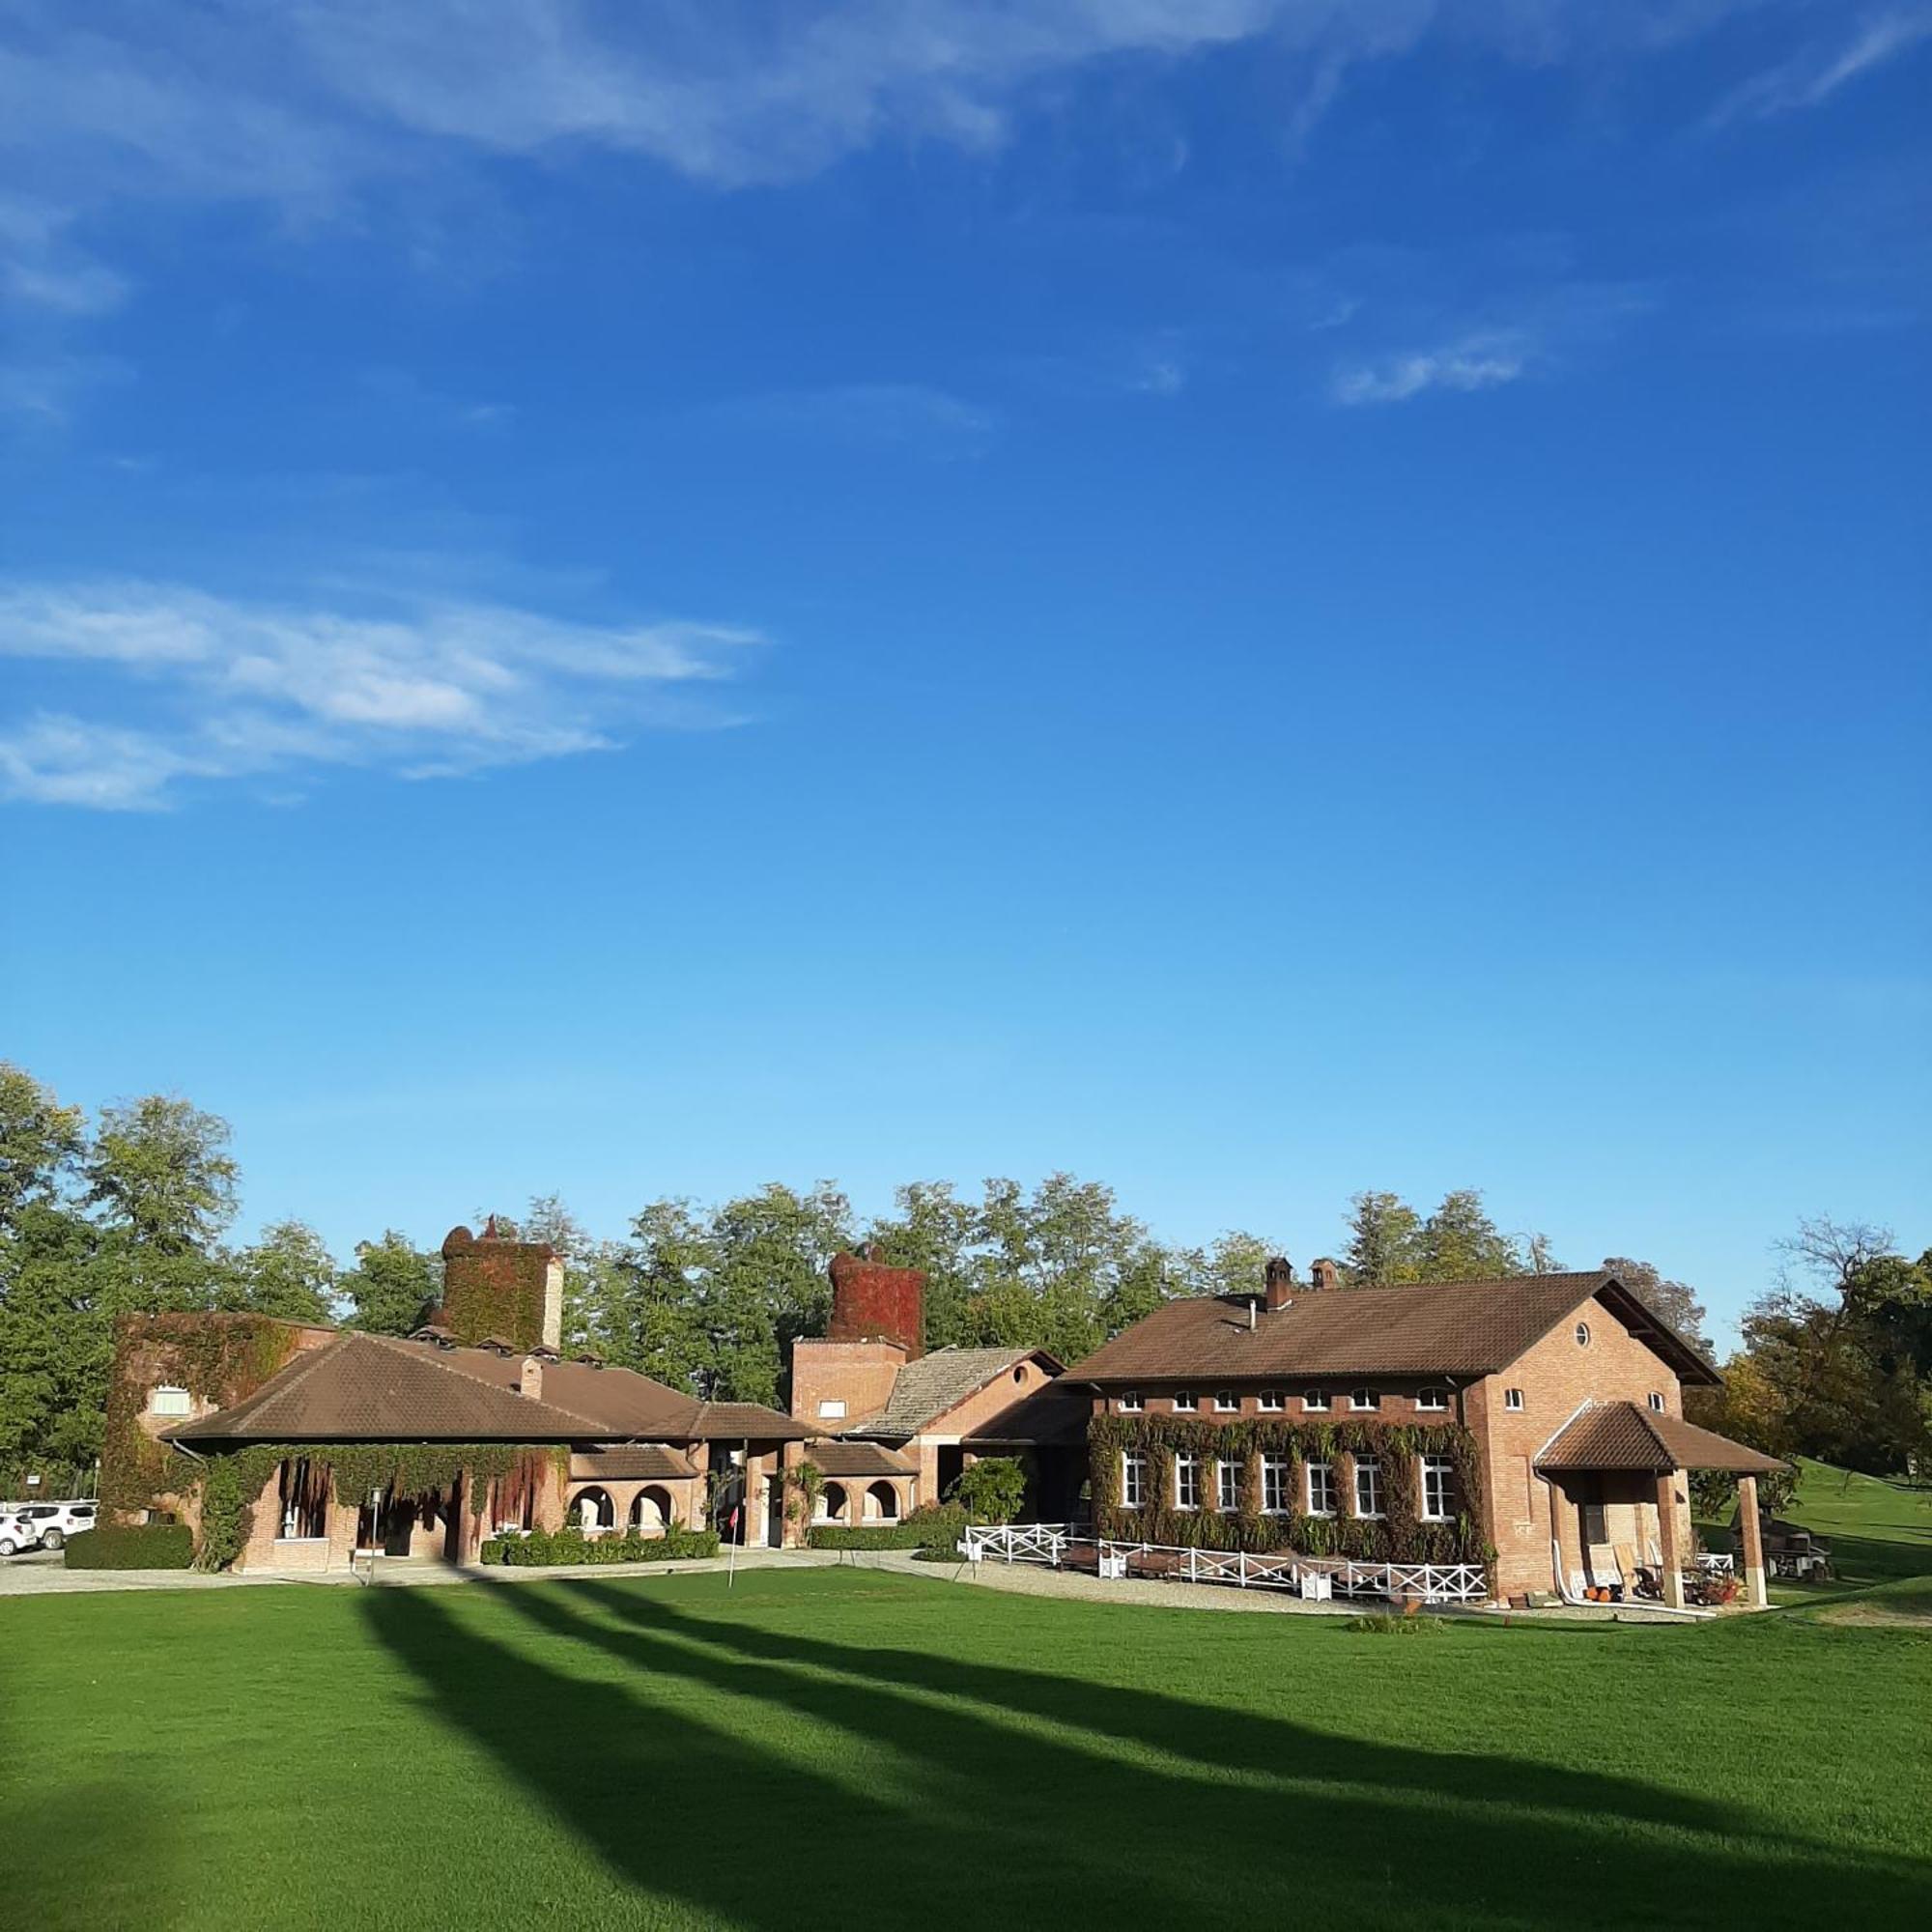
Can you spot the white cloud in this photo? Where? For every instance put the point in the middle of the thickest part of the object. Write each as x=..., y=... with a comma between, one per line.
x=1480, y=361
x=223, y=689
x=1812, y=77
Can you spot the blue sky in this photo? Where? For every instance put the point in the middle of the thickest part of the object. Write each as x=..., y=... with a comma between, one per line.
x=1251, y=600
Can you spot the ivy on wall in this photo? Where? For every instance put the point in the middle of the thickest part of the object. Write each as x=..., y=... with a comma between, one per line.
x=495, y=1289
x=219, y=1359
x=1397, y=1536
x=231, y=1485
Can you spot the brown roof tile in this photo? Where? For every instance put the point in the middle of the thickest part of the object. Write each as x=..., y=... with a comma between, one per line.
x=629, y=1462
x=1421, y=1328
x=836, y=1458
x=924, y=1390
x=1627, y=1435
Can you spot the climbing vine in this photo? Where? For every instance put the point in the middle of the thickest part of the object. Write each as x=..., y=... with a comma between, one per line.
x=1399, y=1535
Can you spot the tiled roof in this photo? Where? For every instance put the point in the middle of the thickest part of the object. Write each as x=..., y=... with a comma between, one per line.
x=1421, y=1328
x=629, y=1462
x=371, y=1388
x=1056, y=1415
x=834, y=1457
x=1627, y=1435
x=926, y=1389
x=376, y=1388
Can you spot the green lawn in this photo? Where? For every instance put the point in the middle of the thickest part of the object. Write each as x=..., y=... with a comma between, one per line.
x=845, y=1747
x=1879, y=1531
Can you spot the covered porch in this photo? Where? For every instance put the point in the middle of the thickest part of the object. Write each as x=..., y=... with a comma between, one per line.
x=644, y=1487
x=1617, y=1473
x=866, y=1484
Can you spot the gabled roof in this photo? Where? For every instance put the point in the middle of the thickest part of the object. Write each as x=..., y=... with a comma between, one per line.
x=372, y=1388
x=922, y=1391
x=630, y=1462
x=1419, y=1328
x=375, y=1388
x=1627, y=1435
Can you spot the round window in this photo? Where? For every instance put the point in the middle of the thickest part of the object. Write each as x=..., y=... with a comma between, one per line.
x=1019, y=1374
x=1582, y=1334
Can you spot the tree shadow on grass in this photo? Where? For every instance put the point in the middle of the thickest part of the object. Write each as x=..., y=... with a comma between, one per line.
x=826, y=1791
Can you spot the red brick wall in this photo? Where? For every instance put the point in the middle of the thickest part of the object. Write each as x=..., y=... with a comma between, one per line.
x=858, y=1374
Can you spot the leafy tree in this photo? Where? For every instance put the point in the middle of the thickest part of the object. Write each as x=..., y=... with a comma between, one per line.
x=161, y=1174
x=936, y=1231
x=40, y=1143
x=1460, y=1243
x=991, y=1489
x=288, y=1273
x=1384, y=1241
x=391, y=1286
x=1674, y=1303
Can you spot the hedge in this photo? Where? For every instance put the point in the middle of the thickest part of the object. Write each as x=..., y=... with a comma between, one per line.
x=543, y=1548
x=932, y=1526
x=145, y=1546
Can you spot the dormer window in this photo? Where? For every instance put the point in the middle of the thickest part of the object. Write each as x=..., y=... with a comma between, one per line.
x=1270, y=1402
x=169, y=1400
x=1226, y=1402
x=1359, y=1398
x=1185, y=1401
x=1431, y=1401
x=1130, y=1402
x=1315, y=1402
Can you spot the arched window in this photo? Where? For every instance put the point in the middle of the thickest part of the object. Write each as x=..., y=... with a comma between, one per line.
x=650, y=1513
x=882, y=1502
x=832, y=1502
x=1432, y=1400
x=594, y=1510
x=1582, y=1334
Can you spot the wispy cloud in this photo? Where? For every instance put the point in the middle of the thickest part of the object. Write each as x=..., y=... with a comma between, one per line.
x=909, y=417
x=170, y=685
x=1481, y=361
x=1814, y=74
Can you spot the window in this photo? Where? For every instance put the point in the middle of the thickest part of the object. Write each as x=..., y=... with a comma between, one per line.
x=1433, y=1401
x=1657, y=1400
x=168, y=1400
x=1274, y=1485
x=1133, y=1479
x=1130, y=1402
x=1439, y=1488
x=1270, y=1402
x=1187, y=1482
x=1512, y=1398
x=832, y=1409
x=1315, y=1402
x=1226, y=1401
x=1020, y=1375
x=304, y=1498
x=1582, y=1334
x=1227, y=1487
x=1320, y=1489
x=1185, y=1401
x=1364, y=1399
x=1368, y=1485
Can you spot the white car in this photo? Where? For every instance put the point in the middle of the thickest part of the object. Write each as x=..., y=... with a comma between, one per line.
x=43, y=1525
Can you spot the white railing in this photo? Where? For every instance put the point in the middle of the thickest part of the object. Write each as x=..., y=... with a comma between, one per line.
x=1016, y=1542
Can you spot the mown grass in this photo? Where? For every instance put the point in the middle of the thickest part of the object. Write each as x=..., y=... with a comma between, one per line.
x=855, y=1748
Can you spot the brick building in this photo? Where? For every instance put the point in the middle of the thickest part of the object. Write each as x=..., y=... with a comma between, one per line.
x=1540, y=1417
x=897, y=1426
x=610, y=1448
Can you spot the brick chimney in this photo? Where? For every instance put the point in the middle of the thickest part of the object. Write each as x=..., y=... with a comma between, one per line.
x=1323, y=1274
x=530, y=1381
x=874, y=1301
x=496, y=1286
x=1280, y=1279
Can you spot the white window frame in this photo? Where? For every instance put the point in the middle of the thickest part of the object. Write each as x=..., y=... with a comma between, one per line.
x=1431, y=1401
x=156, y=1407
x=1441, y=1472
x=1315, y=1402
x=1513, y=1401
x=1186, y=1475
x=1582, y=1333
x=1185, y=1402
x=1326, y=1471
x=1227, y=1486
x=1275, y=1469
x=1133, y=1479
x=1130, y=1402
x=1227, y=1403
x=1656, y=1401
x=1270, y=1402
x=1371, y=1468
x=832, y=1409
x=1361, y=1408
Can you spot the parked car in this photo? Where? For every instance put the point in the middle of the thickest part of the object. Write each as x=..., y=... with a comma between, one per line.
x=45, y=1526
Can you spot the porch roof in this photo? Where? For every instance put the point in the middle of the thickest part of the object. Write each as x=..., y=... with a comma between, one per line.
x=630, y=1462
x=846, y=1458
x=1627, y=1435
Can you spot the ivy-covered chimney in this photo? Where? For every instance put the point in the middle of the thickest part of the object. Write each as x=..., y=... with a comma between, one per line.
x=497, y=1287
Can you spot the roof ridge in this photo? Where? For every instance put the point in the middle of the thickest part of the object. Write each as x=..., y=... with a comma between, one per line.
x=399, y=1346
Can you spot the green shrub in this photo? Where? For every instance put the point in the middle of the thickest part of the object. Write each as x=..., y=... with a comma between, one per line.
x=542, y=1549
x=145, y=1546
x=930, y=1527
x=992, y=1489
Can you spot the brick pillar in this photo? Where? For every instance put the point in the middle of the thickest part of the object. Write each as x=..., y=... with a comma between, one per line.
x=1751, y=1535
x=1667, y=1542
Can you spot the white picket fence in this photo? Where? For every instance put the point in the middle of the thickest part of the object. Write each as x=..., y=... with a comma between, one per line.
x=1048, y=1543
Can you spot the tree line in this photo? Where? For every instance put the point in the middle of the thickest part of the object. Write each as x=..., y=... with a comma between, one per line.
x=133, y=1211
